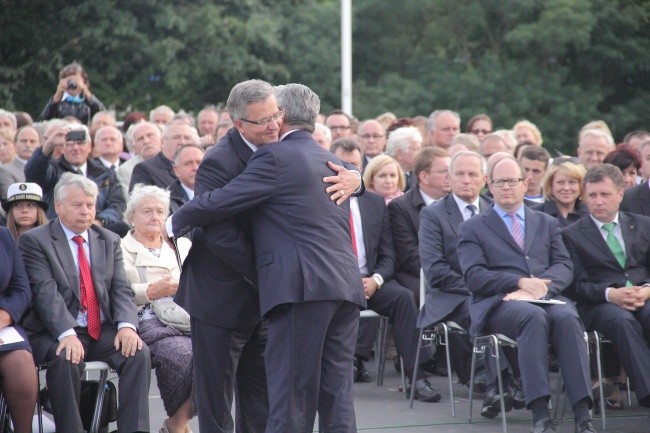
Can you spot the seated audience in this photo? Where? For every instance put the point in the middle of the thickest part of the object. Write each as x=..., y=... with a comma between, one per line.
x=73, y=96
x=18, y=384
x=442, y=127
x=492, y=144
x=146, y=143
x=479, y=126
x=535, y=160
x=628, y=160
x=402, y=145
x=637, y=199
x=153, y=271
x=593, y=146
x=83, y=310
x=526, y=130
x=7, y=149
x=372, y=138
x=161, y=116
x=25, y=208
x=8, y=120
x=610, y=250
x=562, y=186
x=322, y=135
x=186, y=163
x=384, y=176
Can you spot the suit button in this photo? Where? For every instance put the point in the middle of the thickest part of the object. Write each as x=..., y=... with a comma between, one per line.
x=527, y=258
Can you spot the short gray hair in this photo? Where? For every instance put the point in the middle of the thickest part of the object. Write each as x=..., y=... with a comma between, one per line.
x=139, y=193
x=465, y=153
x=300, y=104
x=319, y=127
x=596, y=133
x=401, y=138
x=70, y=179
x=161, y=109
x=177, y=154
x=10, y=115
x=244, y=93
x=431, y=121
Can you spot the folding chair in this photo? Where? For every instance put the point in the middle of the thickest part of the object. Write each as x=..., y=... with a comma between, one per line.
x=380, y=346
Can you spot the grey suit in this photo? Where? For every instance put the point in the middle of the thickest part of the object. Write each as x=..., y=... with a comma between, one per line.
x=54, y=279
x=12, y=172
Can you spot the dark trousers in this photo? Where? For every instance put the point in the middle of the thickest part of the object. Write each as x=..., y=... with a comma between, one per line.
x=534, y=327
x=630, y=333
x=398, y=304
x=309, y=366
x=227, y=361
x=64, y=380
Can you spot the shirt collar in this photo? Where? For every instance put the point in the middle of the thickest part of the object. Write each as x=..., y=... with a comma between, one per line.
x=248, y=143
x=600, y=224
x=462, y=204
x=69, y=234
x=521, y=212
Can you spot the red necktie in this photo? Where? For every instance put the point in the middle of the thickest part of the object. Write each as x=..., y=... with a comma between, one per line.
x=88, y=296
x=354, y=237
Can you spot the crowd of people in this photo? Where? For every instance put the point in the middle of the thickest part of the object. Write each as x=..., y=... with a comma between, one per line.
x=273, y=241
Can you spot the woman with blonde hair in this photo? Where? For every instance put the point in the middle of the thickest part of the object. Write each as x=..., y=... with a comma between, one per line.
x=526, y=130
x=384, y=176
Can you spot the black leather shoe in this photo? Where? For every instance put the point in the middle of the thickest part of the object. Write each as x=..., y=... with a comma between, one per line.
x=585, y=427
x=492, y=404
x=424, y=391
x=363, y=375
x=517, y=392
x=544, y=426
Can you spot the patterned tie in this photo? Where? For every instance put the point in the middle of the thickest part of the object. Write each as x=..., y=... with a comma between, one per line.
x=353, y=235
x=615, y=246
x=89, y=300
x=472, y=210
x=516, y=231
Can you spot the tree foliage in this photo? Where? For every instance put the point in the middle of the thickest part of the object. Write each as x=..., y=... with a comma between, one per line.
x=558, y=63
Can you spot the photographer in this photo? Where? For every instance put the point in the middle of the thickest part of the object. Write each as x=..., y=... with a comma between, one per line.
x=72, y=96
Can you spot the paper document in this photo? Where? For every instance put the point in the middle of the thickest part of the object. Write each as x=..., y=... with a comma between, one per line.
x=10, y=335
x=543, y=301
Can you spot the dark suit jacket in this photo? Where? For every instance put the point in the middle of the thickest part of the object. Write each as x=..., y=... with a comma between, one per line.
x=12, y=172
x=637, y=199
x=377, y=236
x=177, y=196
x=438, y=239
x=46, y=172
x=218, y=282
x=157, y=170
x=596, y=268
x=404, y=214
x=15, y=294
x=549, y=207
x=54, y=278
x=493, y=263
x=302, y=238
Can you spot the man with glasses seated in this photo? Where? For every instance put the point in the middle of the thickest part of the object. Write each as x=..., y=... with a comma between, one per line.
x=372, y=138
x=514, y=262
x=339, y=123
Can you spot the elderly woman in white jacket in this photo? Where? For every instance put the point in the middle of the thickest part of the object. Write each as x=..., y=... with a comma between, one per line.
x=153, y=271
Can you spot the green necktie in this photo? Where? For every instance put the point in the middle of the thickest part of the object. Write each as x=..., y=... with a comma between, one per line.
x=615, y=246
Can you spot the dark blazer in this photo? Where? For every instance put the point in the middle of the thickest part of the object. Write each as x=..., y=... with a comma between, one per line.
x=157, y=170
x=377, y=236
x=637, y=199
x=218, y=282
x=54, y=278
x=493, y=263
x=404, y=212
x=438, y=239
x=177, y=196
x=46, y=172
x=596, y=268
x=15, y=293
x=84, y=111
x=549, y=207
x=302, y=238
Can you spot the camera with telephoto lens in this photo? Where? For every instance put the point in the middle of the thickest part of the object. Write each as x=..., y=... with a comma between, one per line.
x=76, y=135
x=72, y=85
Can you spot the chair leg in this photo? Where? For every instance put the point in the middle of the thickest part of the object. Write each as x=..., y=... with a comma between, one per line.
x=39, y=406
x=401, y=369
x=99, y=403
x=3, y=413
x=445, y=328
x=495, y=342
x=415, y=368
x=381, y=338
x=599, y=368
x=472, y=371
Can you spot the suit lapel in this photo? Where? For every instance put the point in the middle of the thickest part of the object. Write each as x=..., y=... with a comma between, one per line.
x=97, y=247
x=644, y=196
x=628, y=229
x=63, y=252
x=365, y=210
x=593, y=235
x=495, y=222
x=532, y=223
x=453, y=213
x=241, y=148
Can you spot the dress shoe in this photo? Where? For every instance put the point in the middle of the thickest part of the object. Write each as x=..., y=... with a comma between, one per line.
x=363, y=375
x=434, y=368
x=480, y=386
x=516, y=390
x=424, y=391
x=546, y=425
x=585, y=427
x=492, y=404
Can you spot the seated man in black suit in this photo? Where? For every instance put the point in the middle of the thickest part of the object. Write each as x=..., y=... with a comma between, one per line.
x=46, y=171
x=373, y=245
x=637, y=198
x=511, y=254
x=448, y=297
x=186, y=163
x=83, y=308
x=611, y=255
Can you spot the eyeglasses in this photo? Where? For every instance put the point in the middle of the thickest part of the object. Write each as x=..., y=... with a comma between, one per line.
x=266, y=120
x=480, y=131
x=339, y=128
x=75, y=143
x=566, y=158
x=369, y=136
x=511, y=182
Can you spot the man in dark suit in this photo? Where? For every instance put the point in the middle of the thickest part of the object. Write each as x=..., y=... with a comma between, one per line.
x=637, y=198
x=83, y=310
x=611, y=256
x=186, y=163
x=159, y=170
x=234, y=306
x=373, y=244
x=512, y=254
x=432, y=168
x=46, y=171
